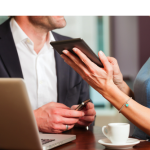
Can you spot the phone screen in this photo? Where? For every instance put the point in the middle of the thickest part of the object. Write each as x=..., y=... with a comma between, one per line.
x=82, y=105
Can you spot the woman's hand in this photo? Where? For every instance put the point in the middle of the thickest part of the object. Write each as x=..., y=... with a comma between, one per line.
x=117, y=75
x=101, y=79
x=118, y=78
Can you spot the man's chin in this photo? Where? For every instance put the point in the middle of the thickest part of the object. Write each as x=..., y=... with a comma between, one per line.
x=62, y=24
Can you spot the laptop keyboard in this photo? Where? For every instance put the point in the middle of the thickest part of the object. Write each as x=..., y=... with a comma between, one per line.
x=45, y=141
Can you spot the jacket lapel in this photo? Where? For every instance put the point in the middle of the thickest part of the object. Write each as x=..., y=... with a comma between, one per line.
x=8, y=52
x=62, y=75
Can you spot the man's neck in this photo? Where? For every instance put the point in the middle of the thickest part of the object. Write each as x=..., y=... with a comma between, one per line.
x=37, y=35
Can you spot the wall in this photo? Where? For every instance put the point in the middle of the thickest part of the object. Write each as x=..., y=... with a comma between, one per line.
x=125, y=44
x=144, y=39
x=81, y=27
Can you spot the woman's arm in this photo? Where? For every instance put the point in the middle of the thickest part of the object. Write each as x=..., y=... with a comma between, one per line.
x=101, y=79
x=126, y=89
x=139, y=115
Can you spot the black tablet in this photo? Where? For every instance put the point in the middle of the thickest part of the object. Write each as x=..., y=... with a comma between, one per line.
x=59, y=46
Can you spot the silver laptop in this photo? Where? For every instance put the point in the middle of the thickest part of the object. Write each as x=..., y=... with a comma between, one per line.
x=18, y=128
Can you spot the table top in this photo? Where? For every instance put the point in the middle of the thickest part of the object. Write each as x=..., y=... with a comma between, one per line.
x=88, y=140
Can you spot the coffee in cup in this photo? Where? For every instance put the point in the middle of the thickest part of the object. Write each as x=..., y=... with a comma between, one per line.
x=117, y=133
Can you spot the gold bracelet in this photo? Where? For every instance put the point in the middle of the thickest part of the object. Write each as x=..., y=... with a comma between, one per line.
x=125, y=104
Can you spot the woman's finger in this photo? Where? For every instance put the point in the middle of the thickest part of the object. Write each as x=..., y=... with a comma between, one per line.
x=105, y=62
x=71, y=63
x=84, y=59
x=114, y=64
x=76, y=64
x=75, y=59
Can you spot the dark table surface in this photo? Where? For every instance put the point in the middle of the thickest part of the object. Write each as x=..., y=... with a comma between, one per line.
x=88, y=140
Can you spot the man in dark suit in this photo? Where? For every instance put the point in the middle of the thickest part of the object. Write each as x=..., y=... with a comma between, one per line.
x=25, y=53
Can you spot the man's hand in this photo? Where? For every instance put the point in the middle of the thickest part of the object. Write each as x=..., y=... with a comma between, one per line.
x=53, y=117
x=89, y=116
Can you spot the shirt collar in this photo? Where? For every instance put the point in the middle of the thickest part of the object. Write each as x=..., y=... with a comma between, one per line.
x=19, y=35
x=50, y=38
x=17, y=32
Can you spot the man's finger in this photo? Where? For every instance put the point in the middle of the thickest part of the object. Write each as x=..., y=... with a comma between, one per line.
x=72, y=114
x=90, y=112
x=56, y=105
x=61, y=127
x=74, y=107
x=64, y=120
x=69, y=113
x=89, y=105
x=83, y=123
x=87, y=118
x=69, y=127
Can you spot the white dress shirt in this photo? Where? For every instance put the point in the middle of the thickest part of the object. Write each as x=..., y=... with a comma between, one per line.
x=39, y=70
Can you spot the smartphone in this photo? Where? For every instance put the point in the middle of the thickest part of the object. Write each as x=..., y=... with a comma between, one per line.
x=59, y=46
x=82, y=105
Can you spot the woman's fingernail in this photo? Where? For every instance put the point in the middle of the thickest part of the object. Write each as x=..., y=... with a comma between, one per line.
x=101, y=53
x=65, y=51
x=74, y=49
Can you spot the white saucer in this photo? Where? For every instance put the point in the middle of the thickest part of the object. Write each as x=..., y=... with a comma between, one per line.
x=129, y=144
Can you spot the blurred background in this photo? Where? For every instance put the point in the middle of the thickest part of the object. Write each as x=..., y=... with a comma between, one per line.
x=124, y=37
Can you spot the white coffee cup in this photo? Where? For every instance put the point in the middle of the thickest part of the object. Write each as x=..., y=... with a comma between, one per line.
x=117, y=133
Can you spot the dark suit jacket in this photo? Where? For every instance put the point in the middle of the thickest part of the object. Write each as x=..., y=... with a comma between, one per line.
x=72, y=89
